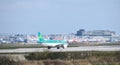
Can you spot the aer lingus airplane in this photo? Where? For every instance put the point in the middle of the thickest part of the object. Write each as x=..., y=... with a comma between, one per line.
x=51, y=43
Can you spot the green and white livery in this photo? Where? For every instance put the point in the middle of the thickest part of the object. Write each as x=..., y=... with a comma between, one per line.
x=52, y=43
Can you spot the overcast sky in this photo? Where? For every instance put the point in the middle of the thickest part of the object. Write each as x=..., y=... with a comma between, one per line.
x=58, y=16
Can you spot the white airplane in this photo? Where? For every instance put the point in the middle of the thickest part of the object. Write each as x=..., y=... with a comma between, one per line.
x=52, y=43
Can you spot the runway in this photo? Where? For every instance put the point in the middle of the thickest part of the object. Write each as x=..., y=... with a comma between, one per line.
x=81, y=48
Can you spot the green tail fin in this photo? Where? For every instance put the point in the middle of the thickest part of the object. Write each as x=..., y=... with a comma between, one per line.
x=40, y=37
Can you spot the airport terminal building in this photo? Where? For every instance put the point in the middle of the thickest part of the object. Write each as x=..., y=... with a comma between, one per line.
x=101, y=36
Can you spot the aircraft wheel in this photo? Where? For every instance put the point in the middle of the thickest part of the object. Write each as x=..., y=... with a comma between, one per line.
x=58, y=47
x=63, y=46
x=49, y=47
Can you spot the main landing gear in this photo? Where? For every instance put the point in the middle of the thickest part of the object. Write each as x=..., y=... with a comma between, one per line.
x=49, y=47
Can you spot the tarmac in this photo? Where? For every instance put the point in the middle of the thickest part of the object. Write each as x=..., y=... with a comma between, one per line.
x=81, y=48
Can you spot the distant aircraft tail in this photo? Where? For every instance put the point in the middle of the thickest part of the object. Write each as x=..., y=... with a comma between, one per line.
x=40, y=37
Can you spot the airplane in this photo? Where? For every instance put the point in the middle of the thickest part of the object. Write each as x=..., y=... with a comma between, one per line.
x=52, y=43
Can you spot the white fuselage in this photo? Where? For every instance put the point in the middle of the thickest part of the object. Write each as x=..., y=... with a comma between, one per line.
x=51, y=44
x=54, y=44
